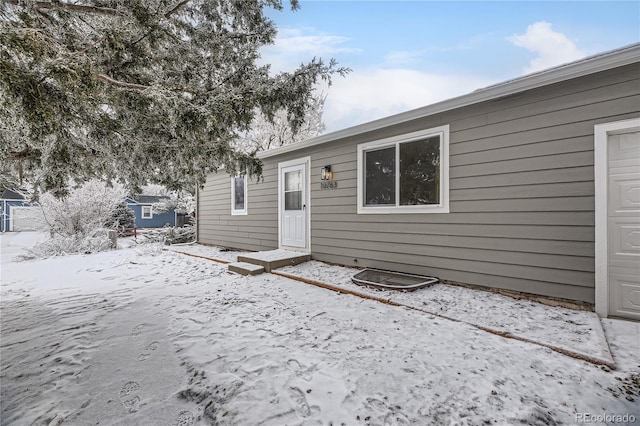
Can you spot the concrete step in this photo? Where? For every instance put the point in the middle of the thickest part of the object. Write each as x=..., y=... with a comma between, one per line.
x=274, y=259
x=244, y=268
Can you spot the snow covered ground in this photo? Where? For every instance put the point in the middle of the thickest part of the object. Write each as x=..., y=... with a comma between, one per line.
x=150, y=337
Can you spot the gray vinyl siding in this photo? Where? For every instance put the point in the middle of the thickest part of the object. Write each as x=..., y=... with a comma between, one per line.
x=258, y=230
x=521, y=194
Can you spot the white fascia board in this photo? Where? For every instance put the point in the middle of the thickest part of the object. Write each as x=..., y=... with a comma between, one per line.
x=590, y=65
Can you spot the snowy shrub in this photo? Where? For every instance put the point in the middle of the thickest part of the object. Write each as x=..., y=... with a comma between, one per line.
x=186, y=234
x=180, y=201
x=170, y=235
x=122, y=219
x=150, y=248
x=77, y=221
x=84, y=209
x=60, y=245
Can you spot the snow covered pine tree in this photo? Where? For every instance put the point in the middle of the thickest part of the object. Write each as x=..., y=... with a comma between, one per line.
x=122, y=219
x=139, y=90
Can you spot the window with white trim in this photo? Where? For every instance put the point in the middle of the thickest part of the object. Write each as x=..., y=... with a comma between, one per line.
x=405, y=174
x=147, y=212
x=239, y=195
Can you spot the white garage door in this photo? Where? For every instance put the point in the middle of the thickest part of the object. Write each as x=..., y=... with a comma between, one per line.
x=26, y=219
x=624, y=224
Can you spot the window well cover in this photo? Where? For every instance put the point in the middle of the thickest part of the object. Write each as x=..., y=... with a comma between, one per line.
x=392, y=280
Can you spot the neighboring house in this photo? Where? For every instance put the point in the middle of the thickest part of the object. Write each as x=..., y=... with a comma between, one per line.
x=18, y=214
x=530, y=185
x=142, y=206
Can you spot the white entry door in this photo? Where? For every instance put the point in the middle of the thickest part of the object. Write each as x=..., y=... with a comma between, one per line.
x=623, y=219
x=293, y=205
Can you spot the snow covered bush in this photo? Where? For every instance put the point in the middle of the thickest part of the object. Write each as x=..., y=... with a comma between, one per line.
x=122, y=219
x=149, y=248
x=180, y=201
x=186, y=234
x=60, y=245
x=77, y=222
x=84, y=209
x=170, y=235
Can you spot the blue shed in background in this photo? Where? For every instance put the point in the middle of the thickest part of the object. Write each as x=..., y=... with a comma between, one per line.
x=142, y=206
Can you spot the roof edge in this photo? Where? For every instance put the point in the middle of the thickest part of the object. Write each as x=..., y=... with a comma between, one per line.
x=590, y=65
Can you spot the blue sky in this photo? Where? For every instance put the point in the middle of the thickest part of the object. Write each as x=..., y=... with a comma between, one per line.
x=407, y=54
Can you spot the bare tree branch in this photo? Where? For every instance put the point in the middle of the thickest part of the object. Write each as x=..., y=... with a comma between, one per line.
x=140, y=87
x=69, y=6
x=175, y=9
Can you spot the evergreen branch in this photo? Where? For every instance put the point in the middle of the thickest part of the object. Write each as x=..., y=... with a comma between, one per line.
x=122, y=84
x=68, y=6
x=175, y=9
x=26, y=153
x=166, y=16
x=176, y=103
x=140, y=87
x=89, y=47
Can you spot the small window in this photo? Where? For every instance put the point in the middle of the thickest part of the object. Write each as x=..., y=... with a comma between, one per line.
x=405, y=174
x=147, y=212
x=293, y=190
x=239, y=195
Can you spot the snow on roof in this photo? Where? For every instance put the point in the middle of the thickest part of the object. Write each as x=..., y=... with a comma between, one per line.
x=148, y=199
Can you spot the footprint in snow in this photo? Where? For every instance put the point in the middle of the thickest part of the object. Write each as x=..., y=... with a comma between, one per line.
x=150, y=348
x=137, y=330
x=294, y=365
x=302, y=406
x=300, y=371
x=129, y=398
x=185, y=418
x=377, y=405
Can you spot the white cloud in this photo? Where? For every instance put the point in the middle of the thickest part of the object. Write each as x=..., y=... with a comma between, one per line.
x=294, y=46
x=367, y=95
x=295, y=40
x=403, y=57
x=409, y=57
x=552, y=48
